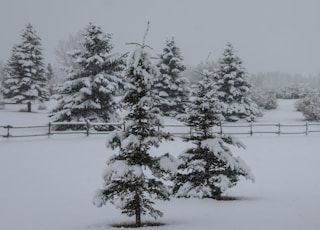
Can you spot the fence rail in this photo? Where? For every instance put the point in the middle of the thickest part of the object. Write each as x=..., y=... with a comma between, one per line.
x=88, y=128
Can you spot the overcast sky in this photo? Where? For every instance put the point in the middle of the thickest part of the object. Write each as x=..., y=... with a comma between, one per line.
x=268, y=35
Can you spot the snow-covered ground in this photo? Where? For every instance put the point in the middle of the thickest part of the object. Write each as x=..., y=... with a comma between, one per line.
x=285, y=113
x=48, y=183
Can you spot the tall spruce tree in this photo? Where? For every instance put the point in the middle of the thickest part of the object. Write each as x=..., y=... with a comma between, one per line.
x=234, y=87
x=170, y=85
x=133, y=177
x=209, y=168
x=25, y=78
x=88, y=93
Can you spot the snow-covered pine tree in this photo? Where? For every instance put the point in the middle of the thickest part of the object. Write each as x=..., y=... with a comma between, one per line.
x=208, y=169
x=25, y=78
x=134, y=177
x=88, y=93
x=234, y=87
x=170, y=85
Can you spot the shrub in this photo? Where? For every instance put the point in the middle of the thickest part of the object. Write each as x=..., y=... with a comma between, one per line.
x=310, y=106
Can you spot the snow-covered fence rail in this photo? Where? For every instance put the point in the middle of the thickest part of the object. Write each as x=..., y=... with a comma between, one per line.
x=53, y=128
x=89, y=128
x=23, y=131
x=268, y=128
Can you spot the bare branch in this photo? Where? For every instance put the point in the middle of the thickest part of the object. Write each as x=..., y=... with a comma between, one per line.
x=145, y=34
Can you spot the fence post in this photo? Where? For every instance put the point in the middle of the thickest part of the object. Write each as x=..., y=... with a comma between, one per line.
x=49, y=129
x=88, y=127
x=251, y=128
x=8, y=130
x=279, y=129
x=307, y=128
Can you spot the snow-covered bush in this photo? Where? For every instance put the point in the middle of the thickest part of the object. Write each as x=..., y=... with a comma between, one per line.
x=293, y=92
x=259, y=97
x=42, y=106
x=310, y=106
x=271, y=101
x=264, y=98
x=133, y=178
x=208, y=169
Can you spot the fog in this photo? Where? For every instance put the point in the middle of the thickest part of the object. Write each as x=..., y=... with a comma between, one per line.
x=269, y=36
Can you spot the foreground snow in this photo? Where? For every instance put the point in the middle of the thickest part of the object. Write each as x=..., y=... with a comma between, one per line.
x=49, y=183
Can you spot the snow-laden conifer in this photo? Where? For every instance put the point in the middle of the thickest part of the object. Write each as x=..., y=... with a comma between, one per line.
x=234, y=87
x=88, y=93
x=25, y=78
x=133, y=178
x=170, y=85
x=208, y=169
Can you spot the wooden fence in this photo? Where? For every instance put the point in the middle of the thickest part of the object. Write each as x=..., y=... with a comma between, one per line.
x=88, y=128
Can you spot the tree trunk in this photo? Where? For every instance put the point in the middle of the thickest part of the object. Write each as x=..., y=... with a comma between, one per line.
x=29, y=106
x=138, y=211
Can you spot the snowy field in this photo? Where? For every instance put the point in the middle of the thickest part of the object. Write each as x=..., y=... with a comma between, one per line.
x=48, y=183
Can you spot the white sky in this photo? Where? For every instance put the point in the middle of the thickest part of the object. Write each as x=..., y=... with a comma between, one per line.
x=269, y=35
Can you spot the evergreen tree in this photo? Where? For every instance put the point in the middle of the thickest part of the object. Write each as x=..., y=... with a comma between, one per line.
x=24, y=73
x=234, y=87
x=88, y=93
x=209, y=168
x=133, y=177
x=170, y=85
